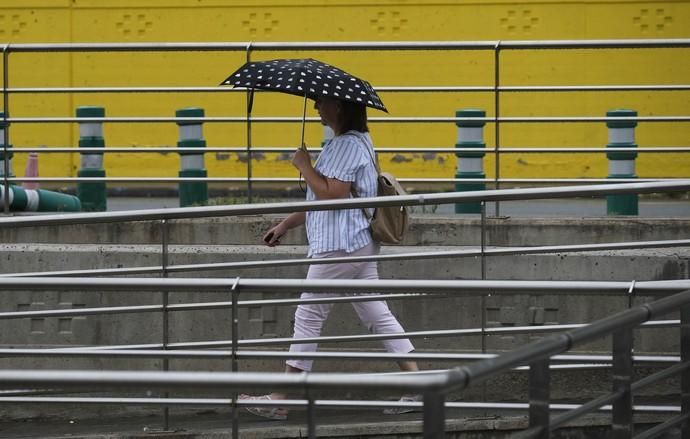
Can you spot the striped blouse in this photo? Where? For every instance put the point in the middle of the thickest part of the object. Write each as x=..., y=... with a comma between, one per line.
x=347, y=157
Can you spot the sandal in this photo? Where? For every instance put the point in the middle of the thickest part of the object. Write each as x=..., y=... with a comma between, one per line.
x=401, y=410
x=274, y=413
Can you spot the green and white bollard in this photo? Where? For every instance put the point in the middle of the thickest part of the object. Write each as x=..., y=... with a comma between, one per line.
x=470, y=164
x=93, y=195
x=4, y=147
x=192, y=163
x=621, y=164
x=29, y=200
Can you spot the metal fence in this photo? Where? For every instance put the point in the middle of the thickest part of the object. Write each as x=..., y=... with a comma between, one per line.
x=434, y=385
x=497, y=88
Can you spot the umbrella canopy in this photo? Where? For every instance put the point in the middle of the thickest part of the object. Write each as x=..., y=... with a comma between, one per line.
x=305, y=77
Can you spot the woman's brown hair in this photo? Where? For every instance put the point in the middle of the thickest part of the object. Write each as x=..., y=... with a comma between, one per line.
x=353, y=117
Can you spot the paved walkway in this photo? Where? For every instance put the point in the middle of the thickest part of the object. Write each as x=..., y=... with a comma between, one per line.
x=216, y=424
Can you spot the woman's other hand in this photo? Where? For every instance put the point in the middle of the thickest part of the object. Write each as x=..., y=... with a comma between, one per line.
x=272, y=237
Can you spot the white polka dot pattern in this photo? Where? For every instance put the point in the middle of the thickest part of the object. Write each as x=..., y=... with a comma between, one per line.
x=305, y=76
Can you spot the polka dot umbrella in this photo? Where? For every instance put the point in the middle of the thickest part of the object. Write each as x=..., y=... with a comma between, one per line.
x=305, y=77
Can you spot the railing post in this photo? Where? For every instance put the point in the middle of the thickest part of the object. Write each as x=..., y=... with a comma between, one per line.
x=6, y=153
x=5, y=196
x=470, y=164
x=539, y=396
x=621, y=164
x=622, y=425
x=192, y=163
x=165, y=299
x=235, y=324
x=6, y=169
x=92, y=194
x=685, y=377
x=434, y=415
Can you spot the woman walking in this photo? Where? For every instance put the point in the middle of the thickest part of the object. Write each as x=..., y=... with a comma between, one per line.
x=345, y=165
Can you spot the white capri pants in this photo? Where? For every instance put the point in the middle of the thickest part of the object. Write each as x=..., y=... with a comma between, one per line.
x=375, y=315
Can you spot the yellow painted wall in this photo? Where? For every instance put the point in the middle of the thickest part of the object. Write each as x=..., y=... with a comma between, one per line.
x=57, y=21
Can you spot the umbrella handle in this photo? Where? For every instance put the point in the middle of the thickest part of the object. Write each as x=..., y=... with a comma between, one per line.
x=304, y=118
x=250, y=101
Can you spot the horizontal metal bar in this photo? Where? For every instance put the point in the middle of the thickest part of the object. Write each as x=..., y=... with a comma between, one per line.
x=295, y=179
x=116, y=401
x=664, y=426
x=594, y=44
x=125, y=47
x=658, y=376
x=379, y=150
x=346, y=404
x=248, y=285
x=561, y=88
x=216, y=344
x=583, y=409
x=82, y=352
x=216, y=380
x=352, y=45
x=197, y=306
x=406, y=200
x=382, y=89
x=390, y=119
x=505, y=251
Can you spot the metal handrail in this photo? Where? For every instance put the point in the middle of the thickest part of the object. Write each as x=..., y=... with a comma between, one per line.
x=310, y=119
x=359, y=45
x=406, y=200
x=296, y=180
x=249, y=285
x=379, y=150
x=368, y=356
x=385, y=88
x=492, y=251
x=433, y=386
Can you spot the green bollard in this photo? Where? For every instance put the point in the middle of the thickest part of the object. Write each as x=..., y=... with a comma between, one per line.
x=192, y=163
x=29, y=200
x=621, y=164
x=470, y=164
x=93, y=195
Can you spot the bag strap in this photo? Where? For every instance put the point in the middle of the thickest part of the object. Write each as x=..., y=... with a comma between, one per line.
x=353, y=191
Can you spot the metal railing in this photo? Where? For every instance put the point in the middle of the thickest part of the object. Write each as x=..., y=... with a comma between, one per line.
x=497, y=89
x=434, y=385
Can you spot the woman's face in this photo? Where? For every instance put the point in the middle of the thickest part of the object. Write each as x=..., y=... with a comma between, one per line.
x=329, y=110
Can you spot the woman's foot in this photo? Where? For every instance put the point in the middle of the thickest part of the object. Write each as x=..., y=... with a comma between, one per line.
x=401, y=410
x=274, y=413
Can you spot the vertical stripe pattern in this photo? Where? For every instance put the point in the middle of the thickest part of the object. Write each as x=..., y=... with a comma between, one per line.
x=347, y=157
